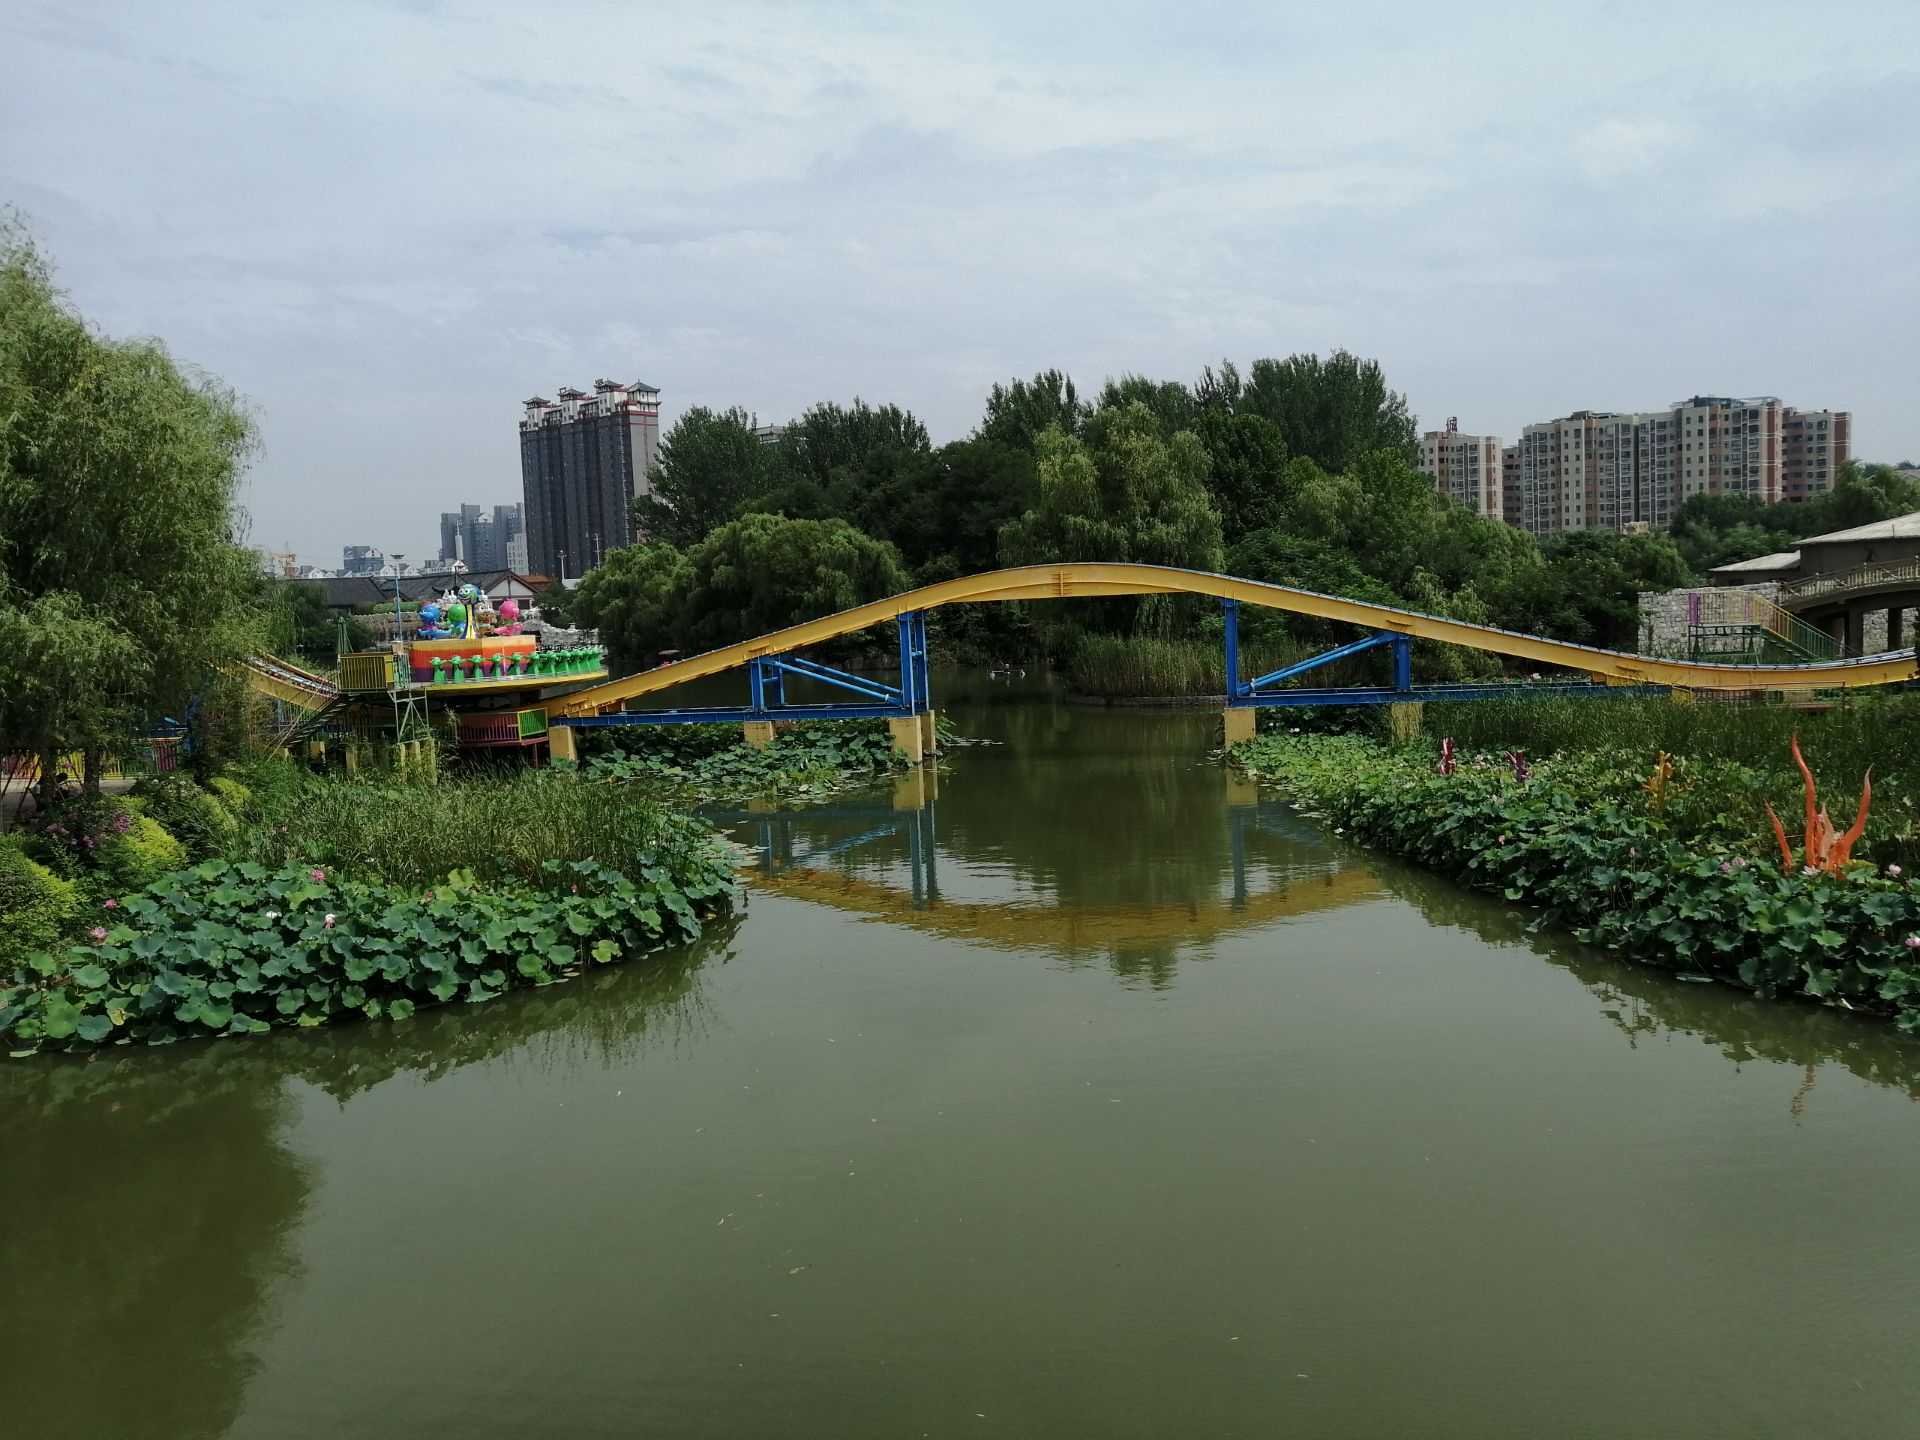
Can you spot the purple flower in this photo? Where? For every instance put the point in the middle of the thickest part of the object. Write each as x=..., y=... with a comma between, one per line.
x=122, y=822
x=317, y=875
x=1726, y=867
x=98, y=934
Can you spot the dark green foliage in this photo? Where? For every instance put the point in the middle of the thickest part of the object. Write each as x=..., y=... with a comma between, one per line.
x=634, y=599
x=1020, y=410
x=236, y=949
x=1331, y=411
x=1676, y=882
x=708, y=466
x=1712, y=530
x=37, y=907
x=1589, y=589
x=713, y=762
x=762, y=573
x=301, y=627
x=104, y=843
x=195, y=817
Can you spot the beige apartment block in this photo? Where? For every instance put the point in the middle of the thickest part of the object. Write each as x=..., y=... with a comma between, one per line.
x=1465, y=468
x=1630, y=472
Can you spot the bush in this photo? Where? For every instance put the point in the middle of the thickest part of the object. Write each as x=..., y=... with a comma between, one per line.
x=237, y=949
x=194, y=816
x=231, y=793
x=1669, y=878
x=36, y=906
x=133, y=858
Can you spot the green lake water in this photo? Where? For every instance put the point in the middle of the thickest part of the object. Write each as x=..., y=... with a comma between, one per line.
x=1076, y=1090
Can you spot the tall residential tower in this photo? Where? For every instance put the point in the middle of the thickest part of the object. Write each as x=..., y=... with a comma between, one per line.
x=583, y=461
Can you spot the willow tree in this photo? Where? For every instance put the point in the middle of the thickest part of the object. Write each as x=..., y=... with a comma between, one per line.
x=124, y=587
x=1122, y=493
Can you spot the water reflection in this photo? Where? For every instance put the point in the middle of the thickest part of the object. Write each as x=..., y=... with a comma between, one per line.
x=886, y=856
x=151, y=1199
x=1644, y=1003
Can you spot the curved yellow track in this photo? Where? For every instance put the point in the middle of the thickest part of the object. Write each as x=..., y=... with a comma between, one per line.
x=1083, y=580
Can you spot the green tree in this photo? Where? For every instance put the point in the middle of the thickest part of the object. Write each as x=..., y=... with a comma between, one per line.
x=1589, y=587
x=765, y=572
x=1018, y=411
x=635, y=599
x=709, y=466
x=830, y=440
x=1125, y=494
x=299, y=624
x=1332, y=411
x=119, y=530
x=1169, y=402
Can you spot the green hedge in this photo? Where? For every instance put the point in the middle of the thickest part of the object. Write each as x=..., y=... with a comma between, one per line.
x=1671, y=880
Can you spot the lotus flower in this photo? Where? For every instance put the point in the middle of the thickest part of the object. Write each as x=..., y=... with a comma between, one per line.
x=97, y=934
x=317, y=875
x=329, y=920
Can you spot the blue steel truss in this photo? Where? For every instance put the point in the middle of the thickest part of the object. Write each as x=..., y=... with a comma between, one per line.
x=1263, y=691
x=767, y=691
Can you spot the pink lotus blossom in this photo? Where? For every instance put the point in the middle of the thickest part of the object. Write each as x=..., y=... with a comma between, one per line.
x=1913, y=942
x=329, y=920
x=110, y=905
x=428, y=897
x=97, y=934
x=1894, y=870
x=317, y=875
x=1726, y=867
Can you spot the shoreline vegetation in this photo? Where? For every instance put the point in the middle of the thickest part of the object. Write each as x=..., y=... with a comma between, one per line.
x=273, y=897
x=1644, y=830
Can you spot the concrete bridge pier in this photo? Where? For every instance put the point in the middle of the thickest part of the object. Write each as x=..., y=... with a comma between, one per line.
x=1240, y=722
x=759, y=733
x=905, y=732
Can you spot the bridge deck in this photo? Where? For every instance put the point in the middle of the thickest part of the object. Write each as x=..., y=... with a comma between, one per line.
x=1090, y=580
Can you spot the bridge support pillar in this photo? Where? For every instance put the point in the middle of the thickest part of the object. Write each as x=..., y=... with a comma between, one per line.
x=561, y=749
x=759, y=733
x=1896, y=628
x=928, y=744
x=905, y=733
x=1403, y=720
x=1240, y=722
x=1856, y=632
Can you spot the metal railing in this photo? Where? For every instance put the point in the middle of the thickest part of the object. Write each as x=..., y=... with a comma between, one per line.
x=1724, y=610
x=1863, y=577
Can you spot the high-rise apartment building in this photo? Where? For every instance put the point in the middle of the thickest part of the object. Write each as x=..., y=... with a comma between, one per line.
x=1466, y=468
x=483, y=542
x=583, y=461
x=1599, y=470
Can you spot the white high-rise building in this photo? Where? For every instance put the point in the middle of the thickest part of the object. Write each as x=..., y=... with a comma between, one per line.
x=1465, y=468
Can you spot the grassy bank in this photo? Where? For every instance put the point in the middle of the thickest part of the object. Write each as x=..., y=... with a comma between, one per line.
x=1670, y=873
x=714, y=762
x=318, y=899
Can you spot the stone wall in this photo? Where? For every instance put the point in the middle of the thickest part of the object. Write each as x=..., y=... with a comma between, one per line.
x=1663, y=619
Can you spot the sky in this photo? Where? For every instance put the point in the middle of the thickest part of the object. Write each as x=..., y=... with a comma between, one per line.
x=388, y=224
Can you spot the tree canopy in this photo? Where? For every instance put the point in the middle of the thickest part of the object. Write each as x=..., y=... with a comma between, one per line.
x=709, y=464
x=122, y=579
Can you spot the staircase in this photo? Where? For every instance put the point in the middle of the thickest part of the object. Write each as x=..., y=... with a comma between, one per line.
x=1739, y=627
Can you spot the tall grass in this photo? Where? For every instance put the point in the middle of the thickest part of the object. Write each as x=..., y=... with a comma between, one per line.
x=500, y=828
x=1878, y=730
x=1130, y=666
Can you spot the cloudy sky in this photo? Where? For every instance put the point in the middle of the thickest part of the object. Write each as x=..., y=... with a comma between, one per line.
x=389, y=223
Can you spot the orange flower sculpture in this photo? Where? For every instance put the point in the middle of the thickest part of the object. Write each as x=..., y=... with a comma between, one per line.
x=1824, y=849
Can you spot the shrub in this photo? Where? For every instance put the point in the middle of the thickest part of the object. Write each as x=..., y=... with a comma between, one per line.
x=36, y=905
x=195, y=817
x=231, y=793
x=133, y=858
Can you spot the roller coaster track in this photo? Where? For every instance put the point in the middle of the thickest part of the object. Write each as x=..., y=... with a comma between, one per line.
x=276, y=679
x=1085, y=580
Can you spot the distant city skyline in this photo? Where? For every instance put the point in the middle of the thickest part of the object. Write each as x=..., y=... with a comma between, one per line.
x=388, y=224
